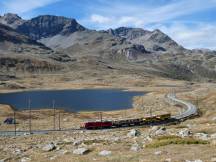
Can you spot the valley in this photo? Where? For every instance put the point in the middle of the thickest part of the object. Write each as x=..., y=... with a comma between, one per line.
x=57, y=53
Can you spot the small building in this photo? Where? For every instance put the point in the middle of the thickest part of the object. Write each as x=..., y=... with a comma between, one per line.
x=9, y=121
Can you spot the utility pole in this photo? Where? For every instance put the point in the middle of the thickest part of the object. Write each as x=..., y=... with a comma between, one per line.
x=197, y=101
x=143, y=107
x=150, y=111
x=59, y=120
x=29, y=107
x=101, y=117
x=53, y=104
x=14, y=116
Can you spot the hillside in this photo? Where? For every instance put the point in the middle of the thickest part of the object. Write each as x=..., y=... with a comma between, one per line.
x=19, y=53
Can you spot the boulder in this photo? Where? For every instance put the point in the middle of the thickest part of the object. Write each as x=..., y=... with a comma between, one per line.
x=67, y=141
x=202, y=136
x=80, y=151
x=184, y=133
x=17, y=151
x=114, y=139
x=168, y=160
x=65, y=119
x=133, y=133
x=3, y=160
x=148, y=139
x=53, y=157
x=77, y=142
x=154, y=128
x=198, y=160
x=135, y=147
x=25, y=159
x=213, y=136
x=160, y=131
x=214, y=119
x=213, y=142
x=49, y=147
x=158, y=153
x=105, y=153
x=62, y=152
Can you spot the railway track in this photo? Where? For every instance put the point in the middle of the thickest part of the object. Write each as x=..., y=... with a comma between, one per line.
x=191, y=110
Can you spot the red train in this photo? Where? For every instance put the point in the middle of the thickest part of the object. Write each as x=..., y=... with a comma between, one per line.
x=97, y=125
x=157, y=119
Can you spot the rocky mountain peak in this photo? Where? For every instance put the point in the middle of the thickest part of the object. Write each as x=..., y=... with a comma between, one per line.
x=47, y=25
x=11, y=16
x=159, y=36
x=129, y=33
x=12, y=20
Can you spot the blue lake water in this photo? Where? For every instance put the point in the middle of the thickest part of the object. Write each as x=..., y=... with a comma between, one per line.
x=72, y=100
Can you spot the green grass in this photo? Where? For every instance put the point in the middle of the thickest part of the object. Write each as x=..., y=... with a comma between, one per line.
x=168, y=140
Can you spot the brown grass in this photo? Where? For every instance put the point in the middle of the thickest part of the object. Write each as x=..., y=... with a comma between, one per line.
x=168, y=140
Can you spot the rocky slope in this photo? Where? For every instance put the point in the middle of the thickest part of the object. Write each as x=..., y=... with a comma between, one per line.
x=18, y=53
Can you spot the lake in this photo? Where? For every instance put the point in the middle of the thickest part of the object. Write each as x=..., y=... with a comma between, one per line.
x=72, y=100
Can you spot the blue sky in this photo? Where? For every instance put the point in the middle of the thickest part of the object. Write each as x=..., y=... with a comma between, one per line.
x=192, y=23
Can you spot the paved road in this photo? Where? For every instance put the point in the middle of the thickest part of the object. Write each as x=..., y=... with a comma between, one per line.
x=190, y=111
x=21, y=133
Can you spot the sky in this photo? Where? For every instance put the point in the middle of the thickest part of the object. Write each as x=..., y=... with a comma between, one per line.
x=191, y=23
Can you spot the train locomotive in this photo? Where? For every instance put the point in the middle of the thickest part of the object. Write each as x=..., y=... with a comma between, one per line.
x=151, y=120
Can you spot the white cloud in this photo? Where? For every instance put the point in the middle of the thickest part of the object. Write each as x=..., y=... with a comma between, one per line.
x=24, y=6
x=99, y=19
x=116, y=14
x=139, y=14
x=196, y=35
x=127, y=20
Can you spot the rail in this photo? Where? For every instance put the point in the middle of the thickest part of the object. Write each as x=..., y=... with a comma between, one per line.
x=189, y=112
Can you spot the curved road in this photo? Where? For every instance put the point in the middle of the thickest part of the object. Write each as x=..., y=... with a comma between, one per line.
x=190, y=111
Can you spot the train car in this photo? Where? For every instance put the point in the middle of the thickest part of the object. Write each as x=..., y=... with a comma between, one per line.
x=127, y=122
x=156, y=118
x=97, y=125
x=163, y=117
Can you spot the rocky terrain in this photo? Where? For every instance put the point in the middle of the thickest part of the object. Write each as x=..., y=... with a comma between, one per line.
x=191, y=140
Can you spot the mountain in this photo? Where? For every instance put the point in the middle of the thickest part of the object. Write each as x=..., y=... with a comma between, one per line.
x=11, y=20
x=48, y=29
x=47, y=26
x=64, y=42
x=154, y=41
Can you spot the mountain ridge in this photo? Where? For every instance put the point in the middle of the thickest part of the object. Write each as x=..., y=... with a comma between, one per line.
x=152, y=52
x=45, y=26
